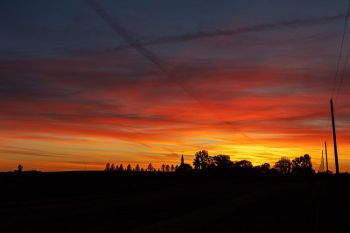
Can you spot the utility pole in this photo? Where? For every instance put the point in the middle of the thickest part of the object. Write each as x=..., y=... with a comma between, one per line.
x=334, y=141
x=325, y=149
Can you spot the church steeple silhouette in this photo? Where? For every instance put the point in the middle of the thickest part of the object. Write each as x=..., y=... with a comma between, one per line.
x=184, y=167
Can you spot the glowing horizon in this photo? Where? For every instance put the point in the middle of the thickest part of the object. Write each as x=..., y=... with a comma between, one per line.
x=74, y=96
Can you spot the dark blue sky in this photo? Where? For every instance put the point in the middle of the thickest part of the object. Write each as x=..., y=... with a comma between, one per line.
x=51, y=28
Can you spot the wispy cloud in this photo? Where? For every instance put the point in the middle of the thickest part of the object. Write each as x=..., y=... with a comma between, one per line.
x=187, y=37
x=256, y=91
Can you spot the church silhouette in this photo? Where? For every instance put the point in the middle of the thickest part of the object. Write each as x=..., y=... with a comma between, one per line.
x=184, y=167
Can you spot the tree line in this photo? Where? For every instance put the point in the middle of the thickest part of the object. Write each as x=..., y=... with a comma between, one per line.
x=284, y=166
x=110, y=167
x=203, y=162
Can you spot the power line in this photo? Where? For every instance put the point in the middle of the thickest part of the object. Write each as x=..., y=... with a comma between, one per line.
x=342, y=73
x=335, y=89
x=341, y=49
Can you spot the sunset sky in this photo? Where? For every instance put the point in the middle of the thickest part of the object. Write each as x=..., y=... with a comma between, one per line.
x=251, y=79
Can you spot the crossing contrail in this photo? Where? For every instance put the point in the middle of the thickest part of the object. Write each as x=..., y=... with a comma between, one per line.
x=139, y=47
x=148, y=54
x=296, y=23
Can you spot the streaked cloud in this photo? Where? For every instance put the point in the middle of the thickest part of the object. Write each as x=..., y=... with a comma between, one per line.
x=256, y=88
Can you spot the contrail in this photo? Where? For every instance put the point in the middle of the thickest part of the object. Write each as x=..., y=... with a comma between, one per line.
x=126, y=35
x=296, y=23
x=138, y=46
x=148, y=54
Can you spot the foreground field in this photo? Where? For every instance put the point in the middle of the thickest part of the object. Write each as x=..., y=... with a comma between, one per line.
x=100, y=202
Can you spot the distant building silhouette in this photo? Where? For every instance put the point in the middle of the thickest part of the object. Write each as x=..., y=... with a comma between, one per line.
x=184, y=167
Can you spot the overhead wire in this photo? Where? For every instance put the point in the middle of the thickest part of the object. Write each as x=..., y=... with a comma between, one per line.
x=340, y=50
x=337, y=85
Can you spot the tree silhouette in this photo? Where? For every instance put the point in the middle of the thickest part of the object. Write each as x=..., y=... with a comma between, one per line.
x=302, y=165
x=150, y=168
x=202, y=160
x=299, y=166
x=222, y=161
x=243, y=164
x=19, y=168
x=283, y=166
x=108, y=167
x=263, y=168
x=137, y=168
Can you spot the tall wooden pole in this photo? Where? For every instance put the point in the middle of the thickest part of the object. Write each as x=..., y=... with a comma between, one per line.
x=334, y=141
x=325, y=149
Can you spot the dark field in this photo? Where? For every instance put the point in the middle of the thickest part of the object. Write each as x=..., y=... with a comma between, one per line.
x=102, y=202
